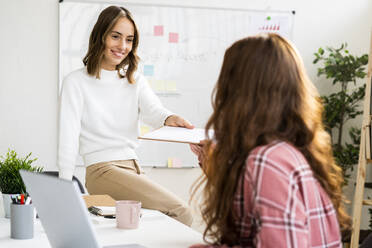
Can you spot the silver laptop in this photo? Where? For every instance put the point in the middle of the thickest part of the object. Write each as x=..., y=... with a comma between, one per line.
x=62, y=211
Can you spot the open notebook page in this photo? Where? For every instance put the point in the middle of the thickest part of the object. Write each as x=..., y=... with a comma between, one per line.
x=176, y=134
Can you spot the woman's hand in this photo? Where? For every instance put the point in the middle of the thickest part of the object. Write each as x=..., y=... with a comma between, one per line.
x=177, y=121
x=199, y=150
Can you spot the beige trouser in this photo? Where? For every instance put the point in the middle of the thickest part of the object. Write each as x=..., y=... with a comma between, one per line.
x=124, y=180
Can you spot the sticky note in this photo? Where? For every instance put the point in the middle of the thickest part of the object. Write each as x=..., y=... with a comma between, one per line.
x=159, y=85
x=173, y=37
x=170, y=163
x=144, y=130
x=158, y=30
x=148, y=70
x=176, y=162
x=170, y=86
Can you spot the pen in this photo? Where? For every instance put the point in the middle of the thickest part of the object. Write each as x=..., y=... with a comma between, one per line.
x=95, y=211
x=22, y=199
x=109, y=216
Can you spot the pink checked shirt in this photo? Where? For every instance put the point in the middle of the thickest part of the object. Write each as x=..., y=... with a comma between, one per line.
x=279, y=193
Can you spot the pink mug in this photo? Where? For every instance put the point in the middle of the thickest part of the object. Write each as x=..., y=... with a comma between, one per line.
x=128, y=214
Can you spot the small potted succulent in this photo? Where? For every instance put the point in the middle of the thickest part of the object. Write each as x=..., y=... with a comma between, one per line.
x=10, y=180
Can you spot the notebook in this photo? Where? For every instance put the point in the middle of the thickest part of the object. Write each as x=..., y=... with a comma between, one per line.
x=177, y=134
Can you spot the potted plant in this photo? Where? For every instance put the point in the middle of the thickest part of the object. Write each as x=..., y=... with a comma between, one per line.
x=343, y=104
x=10, y=180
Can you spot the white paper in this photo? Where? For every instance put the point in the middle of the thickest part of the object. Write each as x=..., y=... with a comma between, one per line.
x=107, y=210
x=177, y=134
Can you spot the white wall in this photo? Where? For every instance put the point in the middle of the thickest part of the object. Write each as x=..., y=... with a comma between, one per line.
x=29, y=59
x=28, y=78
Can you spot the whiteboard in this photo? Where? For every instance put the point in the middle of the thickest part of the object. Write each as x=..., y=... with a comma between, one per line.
x=181, y=50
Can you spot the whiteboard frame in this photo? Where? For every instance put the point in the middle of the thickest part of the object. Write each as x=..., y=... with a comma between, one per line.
x=182, y=6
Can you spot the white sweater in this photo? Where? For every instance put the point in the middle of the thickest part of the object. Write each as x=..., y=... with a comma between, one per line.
x=99, y=118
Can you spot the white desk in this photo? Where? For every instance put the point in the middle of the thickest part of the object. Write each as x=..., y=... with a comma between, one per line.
x=156, y=230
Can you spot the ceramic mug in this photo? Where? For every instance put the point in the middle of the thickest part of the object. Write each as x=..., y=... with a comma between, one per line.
x=128, y=214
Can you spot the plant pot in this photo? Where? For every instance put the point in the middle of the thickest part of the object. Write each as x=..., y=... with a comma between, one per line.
x=7, y=200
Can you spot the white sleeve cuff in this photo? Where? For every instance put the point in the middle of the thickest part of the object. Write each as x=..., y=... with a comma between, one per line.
x=66, y=174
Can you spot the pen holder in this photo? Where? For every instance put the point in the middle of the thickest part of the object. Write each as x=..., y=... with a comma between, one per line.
x=21, y=221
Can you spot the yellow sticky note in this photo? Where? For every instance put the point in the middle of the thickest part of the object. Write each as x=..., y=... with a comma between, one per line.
x=159, y=85
x=144, y=129
x=171, y=86
x=170, y=162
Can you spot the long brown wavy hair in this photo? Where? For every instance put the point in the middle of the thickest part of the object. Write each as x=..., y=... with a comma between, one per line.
x=262, y=94
x=105, y=22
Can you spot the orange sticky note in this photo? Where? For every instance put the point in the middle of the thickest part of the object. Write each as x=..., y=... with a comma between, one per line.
x=158, y=30
x=173, y=37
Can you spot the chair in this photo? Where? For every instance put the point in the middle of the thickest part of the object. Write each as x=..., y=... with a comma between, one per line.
x=55, y=173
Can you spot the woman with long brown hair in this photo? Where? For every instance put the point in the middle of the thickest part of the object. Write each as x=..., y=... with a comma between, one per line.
x=100, y=106
x=270, y=177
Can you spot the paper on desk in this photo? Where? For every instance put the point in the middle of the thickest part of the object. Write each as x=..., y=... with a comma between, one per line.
x=107, y=210
x=100, y=220
x=112, y=210
x=177, y=134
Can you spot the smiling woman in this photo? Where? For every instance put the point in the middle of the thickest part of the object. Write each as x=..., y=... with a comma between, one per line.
x=118, y=44
x=113, y=44
x=100, y=106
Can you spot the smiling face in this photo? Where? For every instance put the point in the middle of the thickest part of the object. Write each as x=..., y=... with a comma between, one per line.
x=118, y=44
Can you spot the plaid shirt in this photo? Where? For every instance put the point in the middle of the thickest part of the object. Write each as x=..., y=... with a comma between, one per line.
x=279, y=203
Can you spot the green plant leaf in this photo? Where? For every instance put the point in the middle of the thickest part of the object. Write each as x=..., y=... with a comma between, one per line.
x=10, y=179
x=343, y=69
x=321, y=51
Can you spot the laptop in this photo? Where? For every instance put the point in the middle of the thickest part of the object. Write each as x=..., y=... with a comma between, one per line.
x=62, y=212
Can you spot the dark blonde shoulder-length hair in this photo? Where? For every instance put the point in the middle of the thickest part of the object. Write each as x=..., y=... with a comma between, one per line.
x=262, y=94
x=105, y=22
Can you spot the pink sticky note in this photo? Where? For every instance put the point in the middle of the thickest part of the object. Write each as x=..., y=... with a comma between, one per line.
x=158, y=30
x=177, y=162
x=173, y=37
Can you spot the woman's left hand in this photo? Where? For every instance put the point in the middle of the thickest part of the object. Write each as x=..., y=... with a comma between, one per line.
x=177, y=121
x=199, y=150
